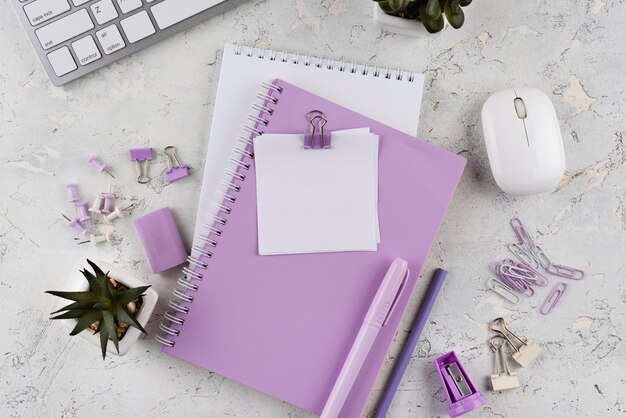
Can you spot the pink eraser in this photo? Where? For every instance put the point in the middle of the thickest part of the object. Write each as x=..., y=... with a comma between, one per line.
x=161, y=240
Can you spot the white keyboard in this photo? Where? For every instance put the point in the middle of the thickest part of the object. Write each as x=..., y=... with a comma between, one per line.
x=75, y=37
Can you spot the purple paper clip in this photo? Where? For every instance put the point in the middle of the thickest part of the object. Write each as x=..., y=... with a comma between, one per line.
x=522, y=234
x=315, y=138
x=462, y=395
x=553, y=298
x=176, y=170
x=565, y=271
x=141, y=156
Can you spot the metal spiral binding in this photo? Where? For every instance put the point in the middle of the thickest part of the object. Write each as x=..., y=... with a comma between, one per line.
x=207, y=240
x=199, y=260
x=202, y=251
x=329, y=64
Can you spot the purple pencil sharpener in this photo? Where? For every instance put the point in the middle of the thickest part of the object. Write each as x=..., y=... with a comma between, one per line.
x=461, y=393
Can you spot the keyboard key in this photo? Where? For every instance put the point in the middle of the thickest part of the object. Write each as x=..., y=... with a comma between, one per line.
x=137, y=27
x=170, y=12
x=41, y=10
x=79, y=2
x=86, y=50
x=62, y=61
x=104, y=11
x=63, y=29
x=128, y=5
x=110, y=39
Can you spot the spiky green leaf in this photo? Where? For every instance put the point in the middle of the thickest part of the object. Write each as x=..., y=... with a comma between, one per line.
x=96, y=269
x=104, y=339
x=122, y=315
x=129, y=295
x=82, y=304
x=91, y=279
x=85, y=321
x=75, y=296
x=71, y=314
x=109, y=323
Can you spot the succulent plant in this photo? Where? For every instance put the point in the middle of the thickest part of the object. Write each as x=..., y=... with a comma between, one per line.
x=103, y=308
x=430, y=12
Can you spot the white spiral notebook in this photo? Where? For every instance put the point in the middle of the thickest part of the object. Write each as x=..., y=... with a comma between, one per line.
x=390, y=96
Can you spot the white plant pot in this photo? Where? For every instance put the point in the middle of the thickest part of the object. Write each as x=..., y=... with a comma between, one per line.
x=389, y=23
x=150, y=298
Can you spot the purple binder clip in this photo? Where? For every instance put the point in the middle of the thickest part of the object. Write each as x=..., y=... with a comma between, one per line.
x=316, y=138
x=461, y=393
x=141, y=155
x=176, y=170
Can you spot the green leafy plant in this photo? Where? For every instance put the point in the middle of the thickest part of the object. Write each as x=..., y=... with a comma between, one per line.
x=106, y=307
x=430, y=12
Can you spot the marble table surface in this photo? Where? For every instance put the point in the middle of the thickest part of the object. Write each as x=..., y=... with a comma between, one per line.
x=572, y=50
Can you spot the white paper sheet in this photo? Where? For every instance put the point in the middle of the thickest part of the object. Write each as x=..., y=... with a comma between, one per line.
x=311, y=201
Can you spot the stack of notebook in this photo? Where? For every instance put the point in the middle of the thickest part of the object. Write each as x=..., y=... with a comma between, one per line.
x=284, y=324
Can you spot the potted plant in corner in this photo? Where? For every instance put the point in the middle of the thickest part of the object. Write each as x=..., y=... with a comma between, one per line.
x=114, y=305
x=410, y=17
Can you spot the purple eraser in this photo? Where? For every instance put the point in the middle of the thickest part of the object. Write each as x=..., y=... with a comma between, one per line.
x=461, y=393
x=161, y=240
x=141, y=154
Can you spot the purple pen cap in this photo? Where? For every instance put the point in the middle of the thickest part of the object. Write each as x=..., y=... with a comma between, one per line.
x=461, y=393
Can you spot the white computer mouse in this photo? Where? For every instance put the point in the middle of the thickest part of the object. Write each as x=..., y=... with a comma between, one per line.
x=523, y=141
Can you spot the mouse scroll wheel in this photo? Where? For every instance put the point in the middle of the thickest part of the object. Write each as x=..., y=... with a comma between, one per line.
x=520, y=107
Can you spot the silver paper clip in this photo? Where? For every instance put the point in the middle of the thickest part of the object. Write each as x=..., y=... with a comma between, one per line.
x=525, y=351
x=503, y=290
x=316, y=137
x=541, y=257
x=523, y=255
x=567, y=272
x=553, y=298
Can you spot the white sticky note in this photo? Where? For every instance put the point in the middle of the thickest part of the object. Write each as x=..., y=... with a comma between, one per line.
x=311, y=201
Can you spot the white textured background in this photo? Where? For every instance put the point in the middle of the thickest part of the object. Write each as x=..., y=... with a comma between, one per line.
x=571, y=49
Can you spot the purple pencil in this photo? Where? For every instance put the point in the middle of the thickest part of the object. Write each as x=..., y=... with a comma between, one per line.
x=407, y=352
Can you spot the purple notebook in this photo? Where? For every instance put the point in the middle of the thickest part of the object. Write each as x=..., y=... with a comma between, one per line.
x=284, y=324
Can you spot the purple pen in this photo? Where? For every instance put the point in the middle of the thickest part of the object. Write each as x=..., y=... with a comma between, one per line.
x=409, y=347
x=377, y=316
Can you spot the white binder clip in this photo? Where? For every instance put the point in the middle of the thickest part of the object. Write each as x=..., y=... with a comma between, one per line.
x=502, y=378
x=526, y=350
